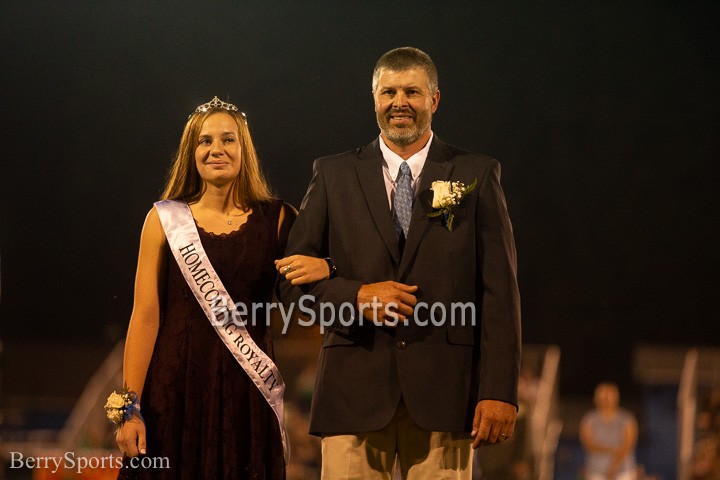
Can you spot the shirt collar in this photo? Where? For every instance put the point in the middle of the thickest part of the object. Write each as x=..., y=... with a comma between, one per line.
x=393, y=160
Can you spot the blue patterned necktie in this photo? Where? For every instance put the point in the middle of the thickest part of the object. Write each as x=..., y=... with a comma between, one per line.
x=402, y=207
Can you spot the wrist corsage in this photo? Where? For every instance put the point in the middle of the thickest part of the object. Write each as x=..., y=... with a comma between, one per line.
x=446, y=196
x=121, y=406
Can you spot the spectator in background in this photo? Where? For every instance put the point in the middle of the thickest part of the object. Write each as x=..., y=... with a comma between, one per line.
x=708, y=421
x=706, y=461
x=609, y=436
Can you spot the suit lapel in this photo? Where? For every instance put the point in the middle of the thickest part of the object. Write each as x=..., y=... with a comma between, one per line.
x=370, y=174
x=437, y=167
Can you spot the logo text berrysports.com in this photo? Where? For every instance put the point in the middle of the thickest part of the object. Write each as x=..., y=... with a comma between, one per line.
x=72, y=462
x=309, y=313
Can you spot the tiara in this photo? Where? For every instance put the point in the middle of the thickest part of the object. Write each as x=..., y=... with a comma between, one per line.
x=216, y=103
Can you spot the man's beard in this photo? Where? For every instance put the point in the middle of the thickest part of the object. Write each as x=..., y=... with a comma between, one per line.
x=404, y=136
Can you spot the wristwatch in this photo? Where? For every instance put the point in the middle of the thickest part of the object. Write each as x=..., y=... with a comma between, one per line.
x=331, y=266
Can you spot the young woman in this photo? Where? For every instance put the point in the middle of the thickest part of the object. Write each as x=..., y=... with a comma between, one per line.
x=201, y=409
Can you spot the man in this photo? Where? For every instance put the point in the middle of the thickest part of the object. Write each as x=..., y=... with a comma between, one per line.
x=421, y=360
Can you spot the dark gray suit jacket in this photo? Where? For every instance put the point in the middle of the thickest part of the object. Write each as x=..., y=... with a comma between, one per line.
x=440, y=370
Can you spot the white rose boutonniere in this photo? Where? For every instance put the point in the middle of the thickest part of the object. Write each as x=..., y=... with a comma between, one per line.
x=446, y=196
x=441, y=191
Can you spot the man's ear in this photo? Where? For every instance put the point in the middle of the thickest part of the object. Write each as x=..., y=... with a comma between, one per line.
x=435, y=100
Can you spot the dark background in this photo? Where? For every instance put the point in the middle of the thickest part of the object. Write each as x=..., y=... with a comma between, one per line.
x=604, y=115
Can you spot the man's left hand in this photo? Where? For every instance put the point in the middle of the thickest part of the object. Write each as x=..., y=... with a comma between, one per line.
x=494, y=422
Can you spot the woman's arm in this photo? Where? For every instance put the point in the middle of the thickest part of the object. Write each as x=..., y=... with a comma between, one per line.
x=302, y=268
x=288, y=214
x=588, y=441
x=143, y=328
x=630, y=434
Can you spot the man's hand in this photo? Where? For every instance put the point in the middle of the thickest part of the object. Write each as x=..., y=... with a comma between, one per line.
x=494, y=422
x=386, y=303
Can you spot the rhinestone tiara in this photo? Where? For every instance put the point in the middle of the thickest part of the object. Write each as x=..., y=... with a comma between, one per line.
x=216, y=103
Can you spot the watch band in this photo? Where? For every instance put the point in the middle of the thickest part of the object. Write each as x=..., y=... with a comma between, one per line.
x=331, y=265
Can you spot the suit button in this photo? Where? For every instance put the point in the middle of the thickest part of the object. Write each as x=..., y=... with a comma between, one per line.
x=401, y=345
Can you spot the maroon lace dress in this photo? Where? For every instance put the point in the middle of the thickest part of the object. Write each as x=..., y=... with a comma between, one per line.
x=201, y=410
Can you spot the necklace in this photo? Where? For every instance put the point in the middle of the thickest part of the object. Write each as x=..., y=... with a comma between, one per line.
x=229, y=220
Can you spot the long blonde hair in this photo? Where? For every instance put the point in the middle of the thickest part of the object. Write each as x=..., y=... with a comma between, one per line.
x=183, y=181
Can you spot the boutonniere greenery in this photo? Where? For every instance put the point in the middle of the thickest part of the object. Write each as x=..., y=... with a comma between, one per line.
x=446, y=196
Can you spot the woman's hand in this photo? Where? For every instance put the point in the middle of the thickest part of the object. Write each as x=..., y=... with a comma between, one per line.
x=131, y=437
x=301, y=269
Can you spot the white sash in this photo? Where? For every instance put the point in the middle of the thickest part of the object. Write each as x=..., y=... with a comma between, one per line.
x=184, y=241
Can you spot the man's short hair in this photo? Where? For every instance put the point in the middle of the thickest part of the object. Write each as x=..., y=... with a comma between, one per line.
x=406, y=58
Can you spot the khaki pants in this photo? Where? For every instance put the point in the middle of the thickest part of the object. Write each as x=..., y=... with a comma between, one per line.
x=421, y=454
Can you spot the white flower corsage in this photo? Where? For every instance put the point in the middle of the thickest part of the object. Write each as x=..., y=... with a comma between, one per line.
x=120, y=406
x=446, y=196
